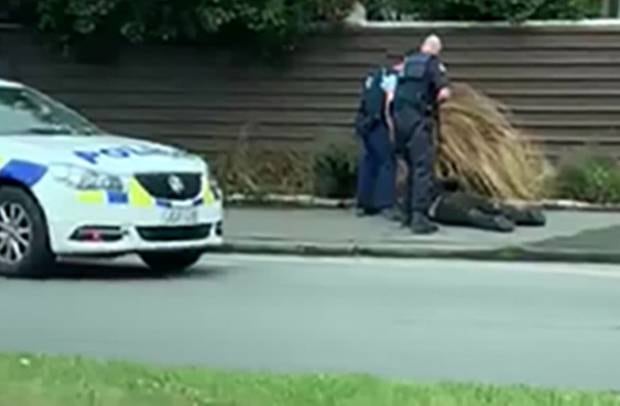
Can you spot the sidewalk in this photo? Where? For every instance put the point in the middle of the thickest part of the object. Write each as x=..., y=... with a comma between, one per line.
x=568, y=236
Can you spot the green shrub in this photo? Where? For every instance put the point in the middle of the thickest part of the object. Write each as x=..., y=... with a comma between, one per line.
x=22, y=11
x=592, y=179
x=266, y=24
x=255, y=25
x=335, y=171
x=482, y=10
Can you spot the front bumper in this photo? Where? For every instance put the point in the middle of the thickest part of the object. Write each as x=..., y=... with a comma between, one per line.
x=80, y=229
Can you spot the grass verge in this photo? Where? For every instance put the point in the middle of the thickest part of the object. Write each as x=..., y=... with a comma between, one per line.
x=27, y=380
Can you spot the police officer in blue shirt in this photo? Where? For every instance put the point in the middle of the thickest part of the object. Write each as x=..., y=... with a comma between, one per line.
x=376, y=189
x=422, y=85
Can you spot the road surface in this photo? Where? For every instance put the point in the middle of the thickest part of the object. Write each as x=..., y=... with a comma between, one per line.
x=548, y=325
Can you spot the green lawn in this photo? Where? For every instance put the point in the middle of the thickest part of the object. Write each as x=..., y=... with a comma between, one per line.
x=43, y=381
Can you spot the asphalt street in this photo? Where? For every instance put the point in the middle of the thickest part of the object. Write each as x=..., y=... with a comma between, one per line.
x=547, y=325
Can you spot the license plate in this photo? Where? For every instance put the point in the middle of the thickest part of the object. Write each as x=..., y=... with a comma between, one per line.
x=180, y=215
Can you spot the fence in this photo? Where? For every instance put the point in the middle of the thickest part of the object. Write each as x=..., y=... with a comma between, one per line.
x=562, y=84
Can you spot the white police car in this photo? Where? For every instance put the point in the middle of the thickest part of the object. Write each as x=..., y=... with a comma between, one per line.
x=69, y=189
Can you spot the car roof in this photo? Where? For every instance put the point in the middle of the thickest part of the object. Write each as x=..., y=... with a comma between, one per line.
x=7, y=84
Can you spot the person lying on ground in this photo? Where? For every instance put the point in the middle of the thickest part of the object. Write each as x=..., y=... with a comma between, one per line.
x=456, y=207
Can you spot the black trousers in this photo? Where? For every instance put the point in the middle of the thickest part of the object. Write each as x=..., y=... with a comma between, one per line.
x=456, y=208
x=466, y=209
x=376, y=185
x=417, y=148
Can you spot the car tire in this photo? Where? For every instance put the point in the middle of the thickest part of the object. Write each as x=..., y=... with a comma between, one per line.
x=24, y=240
x=171, y=263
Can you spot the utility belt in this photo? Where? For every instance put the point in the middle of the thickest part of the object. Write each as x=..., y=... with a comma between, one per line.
x=368, y=123
x=418, y=103
x=374, y=123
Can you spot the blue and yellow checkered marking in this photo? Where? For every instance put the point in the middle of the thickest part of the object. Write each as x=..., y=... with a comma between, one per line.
x=163, y=203
x=117, y=198
x=25, y=172
x=30, y=173
x=138, y=197
x=91, y=197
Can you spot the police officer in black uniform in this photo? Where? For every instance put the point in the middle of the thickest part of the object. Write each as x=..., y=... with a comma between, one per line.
x=422, y=85
x=376, y=189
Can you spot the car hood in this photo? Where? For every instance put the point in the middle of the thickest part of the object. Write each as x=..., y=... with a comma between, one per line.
x=109, y=153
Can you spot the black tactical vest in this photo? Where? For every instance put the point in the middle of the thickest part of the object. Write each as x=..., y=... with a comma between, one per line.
x=413, y=90
x=373, y=95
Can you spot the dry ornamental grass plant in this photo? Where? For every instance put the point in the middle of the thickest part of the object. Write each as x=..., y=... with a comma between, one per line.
x=258, y=169
x=479, y=146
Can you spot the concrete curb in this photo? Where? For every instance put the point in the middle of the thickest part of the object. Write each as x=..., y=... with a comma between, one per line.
x=352, y=250
x=499, y=254
x=312, y=202
x=305, y=201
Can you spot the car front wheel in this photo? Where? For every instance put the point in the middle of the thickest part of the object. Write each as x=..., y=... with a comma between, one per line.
x=171, y=263
x=24, y=240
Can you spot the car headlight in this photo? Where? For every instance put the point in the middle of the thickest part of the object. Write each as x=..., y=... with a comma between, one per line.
x=87, y=179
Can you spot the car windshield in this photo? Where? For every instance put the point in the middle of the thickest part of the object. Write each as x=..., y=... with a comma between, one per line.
x=24, y=111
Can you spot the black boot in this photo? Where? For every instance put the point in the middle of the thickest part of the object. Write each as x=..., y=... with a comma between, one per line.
x=405, y=220
x=420, y=224
x=536, y=218
x=402, y=216
x=491, y=223
x=366, y=212
x=533, y=217
x=390, y=214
